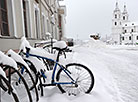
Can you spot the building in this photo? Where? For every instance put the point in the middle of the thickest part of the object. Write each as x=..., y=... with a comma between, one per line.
x=29, y=18
x=123, y=30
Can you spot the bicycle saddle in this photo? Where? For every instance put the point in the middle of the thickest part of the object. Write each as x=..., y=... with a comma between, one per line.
x=60, y=45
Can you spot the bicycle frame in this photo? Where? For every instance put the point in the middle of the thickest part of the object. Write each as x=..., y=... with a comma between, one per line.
x=54, y=69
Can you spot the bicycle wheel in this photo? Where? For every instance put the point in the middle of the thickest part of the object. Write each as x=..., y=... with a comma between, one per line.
x=28, y=77
x=19, y=83
x=83, y=77
x=4, y=84
x=33, y=71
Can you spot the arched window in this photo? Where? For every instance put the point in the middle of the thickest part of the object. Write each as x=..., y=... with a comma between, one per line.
x=123, y=38
x=129, y=37
x=4, y=26
x=115, y=23
x=125, y=31
x=115, y=15
x=137, y=37
x=132, y=30
x=123, y=17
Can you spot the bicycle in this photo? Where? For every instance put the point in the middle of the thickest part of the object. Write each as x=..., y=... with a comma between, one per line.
x=24, y=71
x=5, y=86
x=14, y=77
x=73, y=78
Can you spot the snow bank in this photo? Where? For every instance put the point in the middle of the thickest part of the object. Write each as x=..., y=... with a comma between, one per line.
x=5, y=60
x=91, y=43
x=17, y=58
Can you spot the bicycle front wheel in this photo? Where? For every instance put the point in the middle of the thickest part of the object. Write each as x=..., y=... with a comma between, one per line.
x=82, y=76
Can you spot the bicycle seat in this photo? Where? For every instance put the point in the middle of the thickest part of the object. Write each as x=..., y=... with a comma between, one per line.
x=60, y=45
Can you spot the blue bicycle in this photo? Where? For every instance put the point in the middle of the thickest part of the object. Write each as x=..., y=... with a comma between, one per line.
x=72, y=78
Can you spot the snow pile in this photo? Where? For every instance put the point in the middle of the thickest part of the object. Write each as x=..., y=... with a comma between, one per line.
x=17, y=58
x=94, y=44
x=5, y=60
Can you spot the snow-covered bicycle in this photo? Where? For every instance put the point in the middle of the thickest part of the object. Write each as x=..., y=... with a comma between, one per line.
x=25, y=71
x=72, y=78
x=6, y=88
x=15, y=79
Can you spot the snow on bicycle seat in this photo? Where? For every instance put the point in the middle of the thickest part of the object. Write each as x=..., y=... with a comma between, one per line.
x=60, y=45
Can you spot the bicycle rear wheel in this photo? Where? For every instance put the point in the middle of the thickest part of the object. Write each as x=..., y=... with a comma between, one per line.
x=83, y=77
x=28, y=76
x=18, y=83
x=4, y=84
x=33, y=71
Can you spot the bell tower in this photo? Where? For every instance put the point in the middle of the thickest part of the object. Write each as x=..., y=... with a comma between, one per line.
x=116, y=24
x=125, y=15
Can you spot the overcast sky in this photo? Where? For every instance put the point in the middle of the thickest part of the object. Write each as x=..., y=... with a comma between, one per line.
x=85, y=17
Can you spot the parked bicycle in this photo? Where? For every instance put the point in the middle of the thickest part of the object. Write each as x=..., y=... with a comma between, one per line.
x=25, y=71
x=72, y=78
x=6, y=87
x=15, y=79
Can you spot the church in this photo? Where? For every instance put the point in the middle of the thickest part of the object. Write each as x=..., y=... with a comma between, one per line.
x=124, y=32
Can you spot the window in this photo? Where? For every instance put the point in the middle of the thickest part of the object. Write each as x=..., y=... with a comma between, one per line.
x=115, y=15
x=137, y=37
x=115, y=23
x=125, y=24
x=125, y=31
x=129, y=37
x=4, y=27
x=123, y=38
x=123, y=17
x=25, y=18
x=37, y=23
x=43, y=26
x=132, y=30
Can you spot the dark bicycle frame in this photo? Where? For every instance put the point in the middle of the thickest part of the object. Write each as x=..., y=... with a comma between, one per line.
x=53, y=83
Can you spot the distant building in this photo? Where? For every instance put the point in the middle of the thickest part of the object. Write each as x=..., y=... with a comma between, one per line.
x=29, y=18
x=123, y=30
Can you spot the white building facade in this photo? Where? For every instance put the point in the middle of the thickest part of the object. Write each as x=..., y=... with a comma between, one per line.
x=29, y=18
x=123, y=30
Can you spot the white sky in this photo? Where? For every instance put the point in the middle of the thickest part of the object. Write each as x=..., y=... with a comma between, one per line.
x=85, y=17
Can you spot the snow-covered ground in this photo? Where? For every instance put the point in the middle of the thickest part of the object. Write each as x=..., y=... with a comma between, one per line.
x=115, y=69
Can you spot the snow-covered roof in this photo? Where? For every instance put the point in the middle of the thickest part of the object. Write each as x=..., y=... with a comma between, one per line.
x=130, y=24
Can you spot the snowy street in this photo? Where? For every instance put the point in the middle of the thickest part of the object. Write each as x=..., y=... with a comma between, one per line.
x=115, y=70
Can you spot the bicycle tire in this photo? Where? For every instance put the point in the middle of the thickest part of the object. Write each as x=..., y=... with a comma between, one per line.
x=33, y=70
x=30, y=81
x=77, y=71
x=15, y=80
x=8, y=88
